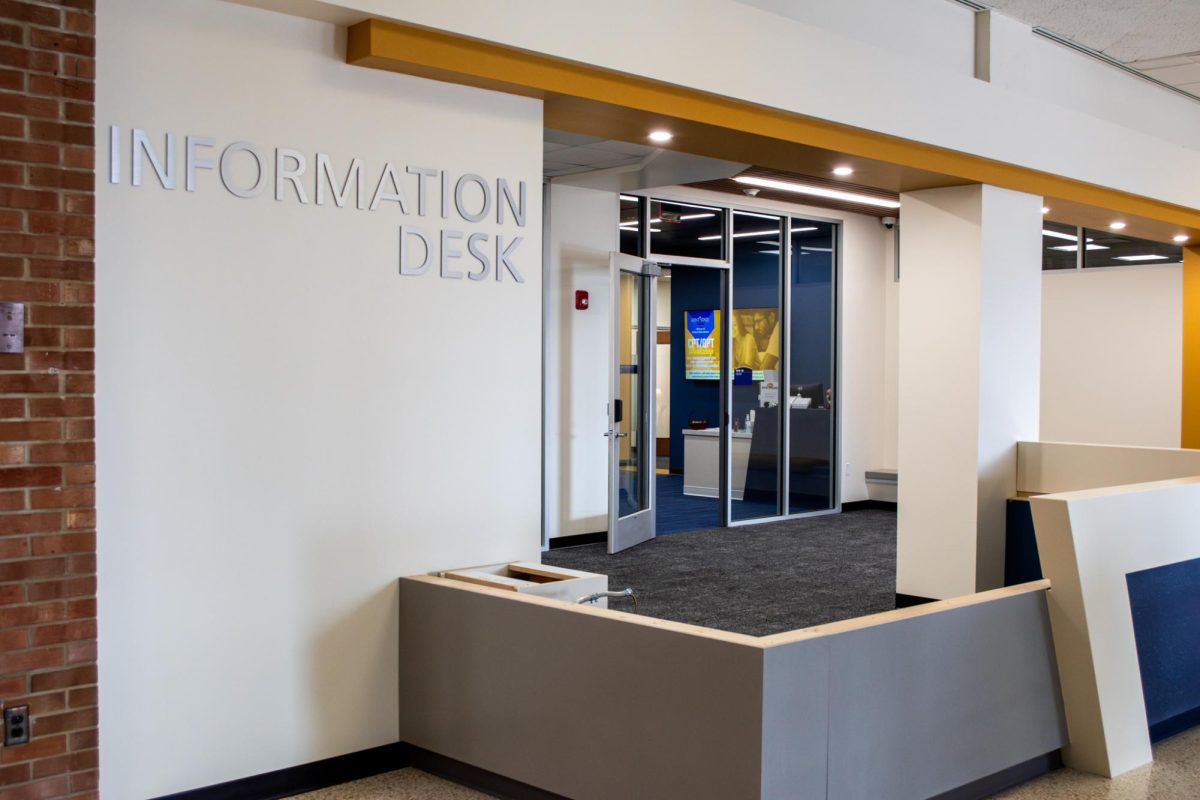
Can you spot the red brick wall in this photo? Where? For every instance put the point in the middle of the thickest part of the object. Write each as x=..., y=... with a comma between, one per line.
x=47, y=460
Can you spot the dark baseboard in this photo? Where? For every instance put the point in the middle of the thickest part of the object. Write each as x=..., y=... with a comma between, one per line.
x=868, y=505
x=910, y=600
x=478, y=779
x=576, y=540
x=305, y=777
x=1005, y=779
x=365, y=763
x=1173, y=725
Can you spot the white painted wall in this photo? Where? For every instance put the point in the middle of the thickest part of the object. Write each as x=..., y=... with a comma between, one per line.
x=883, y=70
x=582, y=233
x=1112, y=344
x=286, y=425
x=968, y=380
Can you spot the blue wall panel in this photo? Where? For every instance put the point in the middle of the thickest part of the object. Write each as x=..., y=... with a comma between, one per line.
x=1165, y=602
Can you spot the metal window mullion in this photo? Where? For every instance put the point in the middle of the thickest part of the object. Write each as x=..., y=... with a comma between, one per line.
x=725, y=484
x=784, y=405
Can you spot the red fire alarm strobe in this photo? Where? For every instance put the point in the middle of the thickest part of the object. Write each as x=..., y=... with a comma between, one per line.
x=581, y=300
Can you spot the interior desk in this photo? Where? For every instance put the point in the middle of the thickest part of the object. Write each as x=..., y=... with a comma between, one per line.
x=702, y=462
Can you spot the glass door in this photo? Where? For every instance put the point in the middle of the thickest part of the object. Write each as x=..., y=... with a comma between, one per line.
x=631, y=509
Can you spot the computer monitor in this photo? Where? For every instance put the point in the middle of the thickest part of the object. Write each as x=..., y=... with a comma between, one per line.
x=815, y=392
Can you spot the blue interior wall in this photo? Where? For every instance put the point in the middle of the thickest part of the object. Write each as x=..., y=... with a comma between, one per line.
x=692, y=289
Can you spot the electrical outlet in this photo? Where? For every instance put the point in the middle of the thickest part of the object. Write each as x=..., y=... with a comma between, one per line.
x=16, y=725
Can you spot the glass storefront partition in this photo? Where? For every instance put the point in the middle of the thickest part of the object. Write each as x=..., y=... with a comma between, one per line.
x=752, y=345
x=757, y=313
x=812, y=402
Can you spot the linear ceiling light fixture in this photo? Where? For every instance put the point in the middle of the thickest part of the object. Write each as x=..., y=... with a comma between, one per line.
x=1140, y=258
x=697, y=216
x=716, y=236
x=1057, y=235
x=1074, y=248
x=817, y=191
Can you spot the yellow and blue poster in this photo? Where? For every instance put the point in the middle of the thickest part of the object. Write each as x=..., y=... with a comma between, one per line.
x=702, y=345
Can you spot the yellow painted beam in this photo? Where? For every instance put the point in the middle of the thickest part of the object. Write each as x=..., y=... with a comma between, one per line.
x=1190, y=422
x=589, y=99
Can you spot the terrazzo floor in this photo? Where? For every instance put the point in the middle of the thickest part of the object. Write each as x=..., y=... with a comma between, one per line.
x=1174, y=775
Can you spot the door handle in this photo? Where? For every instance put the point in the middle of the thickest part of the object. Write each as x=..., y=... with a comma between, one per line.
x=616, y=434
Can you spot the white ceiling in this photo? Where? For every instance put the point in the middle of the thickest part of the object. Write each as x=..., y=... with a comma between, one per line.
x=1159, y=37
x=569, y=153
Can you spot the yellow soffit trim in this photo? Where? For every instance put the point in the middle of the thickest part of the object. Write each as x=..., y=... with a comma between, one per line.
x=1190, y=408
x=413, y=50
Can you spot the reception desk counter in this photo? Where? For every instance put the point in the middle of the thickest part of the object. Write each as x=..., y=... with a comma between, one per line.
x=702, y=462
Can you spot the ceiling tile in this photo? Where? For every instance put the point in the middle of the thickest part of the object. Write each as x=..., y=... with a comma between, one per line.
x=568, y=139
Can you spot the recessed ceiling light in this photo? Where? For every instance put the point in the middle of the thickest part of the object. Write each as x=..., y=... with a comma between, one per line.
x=1140, y=258
x=1181, y=238
x=1045, y=209
x=843, y=171
x=817, y=191
x=1117, y=226
x=660, y=136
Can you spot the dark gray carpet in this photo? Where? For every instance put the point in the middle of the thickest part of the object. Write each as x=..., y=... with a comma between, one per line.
x=756, y=580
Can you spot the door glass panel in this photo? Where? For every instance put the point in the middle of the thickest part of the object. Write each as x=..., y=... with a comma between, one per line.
x=811, y=346
x=756, y=437
x=631, y=466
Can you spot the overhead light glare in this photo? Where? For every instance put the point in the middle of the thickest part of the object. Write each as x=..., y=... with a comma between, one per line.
x=628, y=197
x=843, y=171
x=752, y=214
x=1074, y=248
x=802, y=230
x=817, y=249
x=1057, y=235
x=818, y=191
x=1140, y=258
x=661, y=136
x=1045, y=209
x=697, y=216
x=769, y=252
x=742, y=235
x=1117, y=226
x=1181, y=238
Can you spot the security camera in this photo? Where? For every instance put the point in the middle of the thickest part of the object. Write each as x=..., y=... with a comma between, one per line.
x=888, y=222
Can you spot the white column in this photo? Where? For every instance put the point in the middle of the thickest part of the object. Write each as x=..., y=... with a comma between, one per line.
x=969, y=364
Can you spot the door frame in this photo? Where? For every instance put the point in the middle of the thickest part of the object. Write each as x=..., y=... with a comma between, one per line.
x=642, y=524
